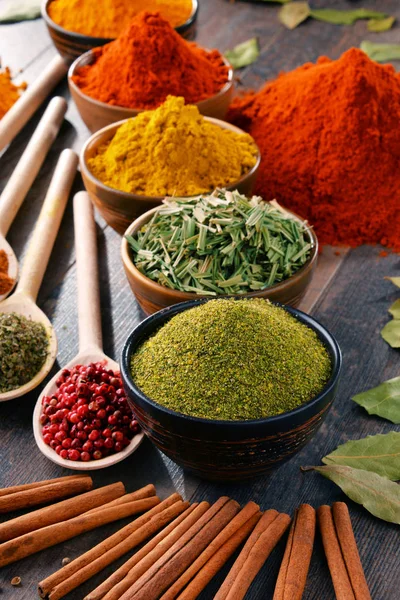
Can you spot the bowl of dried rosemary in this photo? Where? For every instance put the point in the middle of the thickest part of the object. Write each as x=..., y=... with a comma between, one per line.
x=230, y=388
x=224, y=244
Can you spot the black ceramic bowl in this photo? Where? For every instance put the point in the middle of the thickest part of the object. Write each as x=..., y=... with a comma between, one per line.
x=228, y=450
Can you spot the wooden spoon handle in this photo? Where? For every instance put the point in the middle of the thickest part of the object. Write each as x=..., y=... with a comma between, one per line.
x=90, y=338
x=30, y=162
x=30, y=100
x=45, y=232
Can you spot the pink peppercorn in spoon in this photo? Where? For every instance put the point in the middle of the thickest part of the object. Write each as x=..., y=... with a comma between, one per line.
x=82, y=420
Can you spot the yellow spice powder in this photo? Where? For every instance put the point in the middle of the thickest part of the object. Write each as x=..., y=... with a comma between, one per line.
x=173, y=151
x=9, y=92
x=108, y=18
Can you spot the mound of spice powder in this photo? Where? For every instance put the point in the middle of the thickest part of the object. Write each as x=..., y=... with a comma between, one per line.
x=9, y=92
x=172, y=151
x=233, y=360
x=108, y=18
x=23, y=350
x=330, y=145
x=6, y=282
x=148, y=62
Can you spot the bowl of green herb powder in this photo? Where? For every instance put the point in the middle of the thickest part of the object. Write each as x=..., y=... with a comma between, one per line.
x=223, y=244
x=230, y=388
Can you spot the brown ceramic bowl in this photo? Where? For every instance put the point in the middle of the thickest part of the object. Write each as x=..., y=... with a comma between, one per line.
x=228, y=450
x=153, y=296
x=71, y=45
x=96, y=114
x=119, y=208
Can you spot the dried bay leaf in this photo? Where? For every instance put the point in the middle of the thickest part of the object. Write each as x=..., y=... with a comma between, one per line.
x=391, y=333
x=345, y=17
x=243, y=54
x=377, y=494
x=291, y=15
x=379, y=25
x=19, y=10
x=377, y=453
x=395, y=309
x=382, y=53
x=395, y=280
x=383, y=400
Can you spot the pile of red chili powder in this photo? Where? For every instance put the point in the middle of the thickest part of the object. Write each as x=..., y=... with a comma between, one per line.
x=330, y=142
x=149, y=62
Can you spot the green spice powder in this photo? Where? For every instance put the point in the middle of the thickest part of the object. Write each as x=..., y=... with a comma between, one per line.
x=23, y=350
x=232, y=360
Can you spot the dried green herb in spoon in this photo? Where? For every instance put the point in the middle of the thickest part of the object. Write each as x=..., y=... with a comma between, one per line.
x=23, y=350
x=220, y=244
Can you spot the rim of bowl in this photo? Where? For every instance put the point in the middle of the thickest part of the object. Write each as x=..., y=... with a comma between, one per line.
x=163, y=316
x=100, y=41
x=138, y=197
x=172, y=293
x=86, y=55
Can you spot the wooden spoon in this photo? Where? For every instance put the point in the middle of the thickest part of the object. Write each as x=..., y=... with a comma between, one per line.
x=25, y=174
x=90, y=337
x=23, y=301
x=29, y=101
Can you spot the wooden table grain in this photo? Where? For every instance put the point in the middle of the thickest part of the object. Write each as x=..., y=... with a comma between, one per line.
x=349, y=296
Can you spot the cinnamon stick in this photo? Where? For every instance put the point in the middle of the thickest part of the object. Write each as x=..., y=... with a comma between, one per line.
x=35, y=484
x=293, y=573
x=144, y=492
x=348, y=545
x=333, y=553
x=44, y=494
x=122, y=579
x=173, y=563
x=28, y=544
x=267, y=518
x=231, y=528
x=109, y=556
x=216, y=562
x=257, y=556
x=61, y=511
x=51, y=582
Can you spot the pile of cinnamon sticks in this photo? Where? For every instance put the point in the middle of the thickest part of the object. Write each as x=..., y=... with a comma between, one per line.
x=186, y=545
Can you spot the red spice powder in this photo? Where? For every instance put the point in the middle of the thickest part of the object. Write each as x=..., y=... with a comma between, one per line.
x=330, y=142
x=149, y=62
x=6, y=282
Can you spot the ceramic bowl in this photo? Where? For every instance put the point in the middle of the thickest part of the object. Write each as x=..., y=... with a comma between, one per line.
x=96, y=114
x=71, y=45
x=228, y=450
x=119, y=208
x=153, y=297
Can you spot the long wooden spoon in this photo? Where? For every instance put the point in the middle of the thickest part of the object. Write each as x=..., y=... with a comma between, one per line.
x=90, y=337
x=25, y=174
x=23, y=301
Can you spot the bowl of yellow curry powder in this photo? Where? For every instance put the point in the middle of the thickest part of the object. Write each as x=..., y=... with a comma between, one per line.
x=230, y=388
x=76, y=26
x=129, y=167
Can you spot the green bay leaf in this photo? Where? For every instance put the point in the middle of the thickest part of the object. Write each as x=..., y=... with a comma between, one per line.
x=382, y=53
x=383, y=400
x=395, y=309
x=377, y=453
x=379, y=25
x=19, y=10
x=291, y=15
x=243, y=54
x=377, y=494
x=395, y=280
x=391, y=333
x=345, y=17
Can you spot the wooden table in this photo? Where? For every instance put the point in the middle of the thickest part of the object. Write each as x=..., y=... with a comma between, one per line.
x=349, y=297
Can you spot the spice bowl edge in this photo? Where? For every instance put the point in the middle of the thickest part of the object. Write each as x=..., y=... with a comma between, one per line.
x=228, y=450
x=120, y=208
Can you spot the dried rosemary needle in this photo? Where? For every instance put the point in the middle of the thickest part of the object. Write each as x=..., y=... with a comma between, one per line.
x=224, y=243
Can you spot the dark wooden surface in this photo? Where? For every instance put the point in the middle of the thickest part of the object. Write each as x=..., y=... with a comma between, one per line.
x=353, y=307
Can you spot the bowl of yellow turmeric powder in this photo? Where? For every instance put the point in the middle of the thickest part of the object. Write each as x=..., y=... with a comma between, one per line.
x=129, y=167
x=76, y=26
